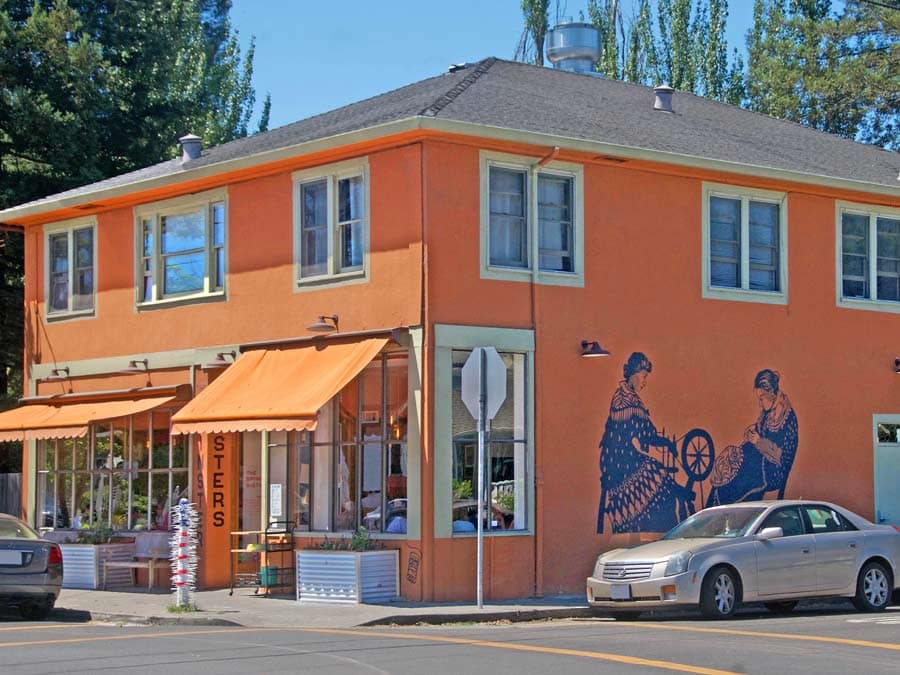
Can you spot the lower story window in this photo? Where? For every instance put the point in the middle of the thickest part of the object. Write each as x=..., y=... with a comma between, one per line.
x=125, y=474
x=506, y=454
x=351, y=471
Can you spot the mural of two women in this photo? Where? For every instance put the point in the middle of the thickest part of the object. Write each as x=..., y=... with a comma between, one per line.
x=640, y=493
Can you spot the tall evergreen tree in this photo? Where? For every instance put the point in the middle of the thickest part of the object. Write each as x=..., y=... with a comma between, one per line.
x=93, y=88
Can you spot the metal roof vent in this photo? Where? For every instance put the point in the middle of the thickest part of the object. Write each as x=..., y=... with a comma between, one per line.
x=190, y=147
x=573, y=46
x=663, y=99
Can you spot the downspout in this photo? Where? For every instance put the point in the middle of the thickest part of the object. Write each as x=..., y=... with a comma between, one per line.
x=426, y=471
x=538, y=407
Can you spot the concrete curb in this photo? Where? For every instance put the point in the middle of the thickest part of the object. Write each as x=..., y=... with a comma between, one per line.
x=512, y=616
x=85, y=616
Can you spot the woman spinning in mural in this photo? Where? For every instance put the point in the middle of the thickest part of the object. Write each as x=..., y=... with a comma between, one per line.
x=763, y=460
x=637, y=492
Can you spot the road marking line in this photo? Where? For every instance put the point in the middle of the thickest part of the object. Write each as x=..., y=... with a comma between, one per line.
x=779, y=636
x=5, y=629
x=602, y=656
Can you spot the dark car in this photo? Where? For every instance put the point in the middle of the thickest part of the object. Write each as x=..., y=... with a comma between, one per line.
x=31, y=570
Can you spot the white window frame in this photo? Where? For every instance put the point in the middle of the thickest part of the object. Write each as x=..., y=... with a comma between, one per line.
x=447, y=339
x=69, y=227
x=155, y=212
x=332, y=173
x=872, y=212
x=573, y=171
x=746, y=195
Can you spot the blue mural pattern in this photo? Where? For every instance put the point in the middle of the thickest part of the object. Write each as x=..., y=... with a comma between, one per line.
x=640, y=468
x=762, y=461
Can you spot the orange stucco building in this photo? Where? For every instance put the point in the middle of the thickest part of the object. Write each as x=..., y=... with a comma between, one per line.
x=503, y=205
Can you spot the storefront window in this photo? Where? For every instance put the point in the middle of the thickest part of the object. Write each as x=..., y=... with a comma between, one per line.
x=505, y=454
x=125, y=474
x=352, y=469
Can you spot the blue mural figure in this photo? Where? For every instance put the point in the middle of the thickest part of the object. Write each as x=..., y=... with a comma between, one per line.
x=763, y=460
x=638, y=493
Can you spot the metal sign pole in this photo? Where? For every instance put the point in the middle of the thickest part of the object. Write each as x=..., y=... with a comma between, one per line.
x=482, y=419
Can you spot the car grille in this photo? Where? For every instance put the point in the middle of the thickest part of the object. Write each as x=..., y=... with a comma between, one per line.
x=613, y=571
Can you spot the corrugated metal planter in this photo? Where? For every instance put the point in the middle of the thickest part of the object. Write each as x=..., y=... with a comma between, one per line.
x=347, y=577
x=83, y=564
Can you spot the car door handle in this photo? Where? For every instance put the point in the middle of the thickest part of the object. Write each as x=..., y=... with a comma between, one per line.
x=804, y=550
x=852, y=544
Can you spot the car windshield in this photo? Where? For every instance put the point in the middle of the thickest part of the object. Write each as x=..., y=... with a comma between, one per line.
x=13, y=529
x=728, y=523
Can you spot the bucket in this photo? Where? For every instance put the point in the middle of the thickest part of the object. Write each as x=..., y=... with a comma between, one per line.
x=268, y=576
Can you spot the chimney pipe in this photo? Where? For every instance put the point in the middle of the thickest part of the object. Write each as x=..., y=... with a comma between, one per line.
x=190, y=147
x=663, y=99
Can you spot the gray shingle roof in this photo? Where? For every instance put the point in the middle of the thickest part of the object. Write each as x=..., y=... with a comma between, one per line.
x=522, y=97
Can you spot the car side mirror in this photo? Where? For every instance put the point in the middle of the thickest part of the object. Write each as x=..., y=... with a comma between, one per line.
x=770, y=533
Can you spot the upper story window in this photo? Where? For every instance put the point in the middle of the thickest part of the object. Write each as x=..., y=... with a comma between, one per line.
x=532, y=220
x=744, y=244
x=331, y=222
x=70, y=263
x=869, y=257
x=181, y=248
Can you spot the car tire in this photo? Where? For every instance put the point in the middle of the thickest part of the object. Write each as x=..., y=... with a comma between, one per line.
x=873, y=588
x=35, y=611
x=781, y=607
x=719, y=594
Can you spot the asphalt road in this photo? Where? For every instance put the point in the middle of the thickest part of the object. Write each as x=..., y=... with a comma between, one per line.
x=821, y=642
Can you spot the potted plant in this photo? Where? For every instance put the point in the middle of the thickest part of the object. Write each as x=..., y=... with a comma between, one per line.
x=84, y=556
x=348, y=571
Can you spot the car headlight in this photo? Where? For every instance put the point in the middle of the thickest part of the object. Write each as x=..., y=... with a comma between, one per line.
x=678, y=564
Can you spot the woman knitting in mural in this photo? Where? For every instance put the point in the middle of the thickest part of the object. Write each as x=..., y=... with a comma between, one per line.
x=638, y=493
x=763, y=460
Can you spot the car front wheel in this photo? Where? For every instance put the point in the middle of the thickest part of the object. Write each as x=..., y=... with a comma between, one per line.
x=873, y=588
x=35, y=611
x=719, y=594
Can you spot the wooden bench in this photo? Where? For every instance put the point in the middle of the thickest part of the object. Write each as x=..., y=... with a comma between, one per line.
x=155, y=557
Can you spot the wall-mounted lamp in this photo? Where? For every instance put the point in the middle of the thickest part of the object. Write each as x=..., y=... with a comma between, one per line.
x=221, y=360
x=322, y=324
x=135, y=367
x=897, y=365
x=590, y=350
x=59, y=375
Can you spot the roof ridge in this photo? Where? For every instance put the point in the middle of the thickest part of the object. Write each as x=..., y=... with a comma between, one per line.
x=460, y=87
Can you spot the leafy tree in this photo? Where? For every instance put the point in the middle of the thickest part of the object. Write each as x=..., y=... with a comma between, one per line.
x=531, y=44
x=641, y=64
x=835, y=73
x=94, y=88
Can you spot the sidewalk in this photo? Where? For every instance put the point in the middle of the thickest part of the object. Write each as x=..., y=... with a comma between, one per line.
x=246, y=609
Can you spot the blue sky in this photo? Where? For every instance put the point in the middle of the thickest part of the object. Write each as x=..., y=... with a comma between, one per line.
x=315, y=56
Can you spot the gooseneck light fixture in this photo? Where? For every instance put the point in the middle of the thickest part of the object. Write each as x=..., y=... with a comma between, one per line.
x=324, y=324
x=134, y=367
x=137, y=366
x=897, y=365
x=592, y=349
x=60, y=375
x=221, y=360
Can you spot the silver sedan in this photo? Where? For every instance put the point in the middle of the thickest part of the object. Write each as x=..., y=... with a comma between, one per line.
x=30, y=569
x=775, y=552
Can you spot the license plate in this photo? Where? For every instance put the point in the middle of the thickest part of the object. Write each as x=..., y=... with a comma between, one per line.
x=620, y=592
x=10, y=557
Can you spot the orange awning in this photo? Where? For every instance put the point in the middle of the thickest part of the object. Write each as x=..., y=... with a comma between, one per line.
x=275, y=389
x=43, y=420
